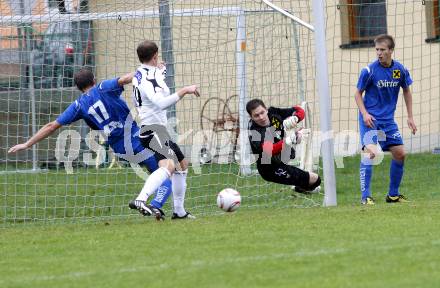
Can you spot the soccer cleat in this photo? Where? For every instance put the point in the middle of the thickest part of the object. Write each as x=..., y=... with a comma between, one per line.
x=157, y=212
x=141, y=207
x=395, y=199
x=368, y=201
x=147, y=209
x=304, y=191
x=186, y=216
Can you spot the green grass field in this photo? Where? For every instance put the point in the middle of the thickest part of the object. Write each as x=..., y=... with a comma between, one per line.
x=267, y=243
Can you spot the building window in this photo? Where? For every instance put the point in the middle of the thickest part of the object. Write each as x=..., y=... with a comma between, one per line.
x=362, y=21
x=57, y=4
x=432, y=9
x=53, y=4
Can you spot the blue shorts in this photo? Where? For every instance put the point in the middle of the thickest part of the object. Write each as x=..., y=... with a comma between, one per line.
x=386, y=133
x=139, y=154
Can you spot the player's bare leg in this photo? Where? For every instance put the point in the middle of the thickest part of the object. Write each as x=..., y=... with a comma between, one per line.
x=371, y=151
x=398, y=152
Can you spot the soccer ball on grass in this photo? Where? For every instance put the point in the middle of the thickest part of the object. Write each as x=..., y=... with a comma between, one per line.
x=228, y=200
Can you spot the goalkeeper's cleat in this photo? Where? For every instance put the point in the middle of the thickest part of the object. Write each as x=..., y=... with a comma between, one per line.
x=304, y=191
x=141, y=207
x=395, y=199
x=368, y=201
x=188, y=215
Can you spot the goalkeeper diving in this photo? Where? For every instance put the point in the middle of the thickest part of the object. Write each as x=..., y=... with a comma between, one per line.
x=273, y=135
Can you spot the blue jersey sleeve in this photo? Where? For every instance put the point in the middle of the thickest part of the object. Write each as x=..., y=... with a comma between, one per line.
x=406, y=79
x=70, y=115
x=111, y=87
x=364, y=79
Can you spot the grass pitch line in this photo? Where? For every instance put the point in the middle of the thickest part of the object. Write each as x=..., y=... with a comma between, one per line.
x=298, y=254
x=191, y=265
x=195, y=264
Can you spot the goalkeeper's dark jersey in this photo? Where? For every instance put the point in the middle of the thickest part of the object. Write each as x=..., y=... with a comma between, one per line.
x=274, y=133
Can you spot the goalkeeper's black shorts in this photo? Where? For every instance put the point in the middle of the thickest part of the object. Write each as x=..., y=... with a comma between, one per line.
x=284, y=174
x=157, y=139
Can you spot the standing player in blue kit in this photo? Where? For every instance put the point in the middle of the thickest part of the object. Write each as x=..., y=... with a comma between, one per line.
x=381, y=81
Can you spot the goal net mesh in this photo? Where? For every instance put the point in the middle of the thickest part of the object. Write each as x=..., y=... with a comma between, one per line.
x=43, y=46
x=234, y=51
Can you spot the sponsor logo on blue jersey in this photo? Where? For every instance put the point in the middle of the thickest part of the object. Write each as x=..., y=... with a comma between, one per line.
x=386, y=84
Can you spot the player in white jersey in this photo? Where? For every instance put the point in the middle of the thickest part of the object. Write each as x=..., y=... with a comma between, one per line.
x=152, y=97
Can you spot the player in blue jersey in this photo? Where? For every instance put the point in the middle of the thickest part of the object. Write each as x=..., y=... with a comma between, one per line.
x=102, y=108
x=381, y=81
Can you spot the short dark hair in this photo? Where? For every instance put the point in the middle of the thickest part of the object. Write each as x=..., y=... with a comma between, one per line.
x=146, y=50
x=84, y=78
x=253, y=104
x=385, y=38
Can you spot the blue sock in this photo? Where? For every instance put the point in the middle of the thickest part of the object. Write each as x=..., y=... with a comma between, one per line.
x=365, y=172
x=164, y=191
x=162, y=194
x=396, y=173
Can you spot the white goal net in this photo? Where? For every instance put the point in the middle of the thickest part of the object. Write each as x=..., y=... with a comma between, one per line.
x=234, y=52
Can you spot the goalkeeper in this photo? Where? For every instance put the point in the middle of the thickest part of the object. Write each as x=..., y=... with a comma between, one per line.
x=275, y=147
x=103, y=108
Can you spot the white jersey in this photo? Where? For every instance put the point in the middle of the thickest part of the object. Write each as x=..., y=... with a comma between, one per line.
x=151, y=95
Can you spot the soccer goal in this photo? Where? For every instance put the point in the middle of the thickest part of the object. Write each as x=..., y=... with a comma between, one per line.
x=234, y=53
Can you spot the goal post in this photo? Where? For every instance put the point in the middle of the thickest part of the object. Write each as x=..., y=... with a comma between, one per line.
x=245, y=151
x=324, y=97
x=324, y=104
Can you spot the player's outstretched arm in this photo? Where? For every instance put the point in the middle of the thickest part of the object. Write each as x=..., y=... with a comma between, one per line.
x=188, y=90
x=292, y=121
x=126, y=79
x=44, y=132
x=407, y=95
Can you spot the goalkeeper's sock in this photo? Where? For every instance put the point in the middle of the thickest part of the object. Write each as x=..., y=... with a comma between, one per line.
x=396, y=174
x=179, y=189
x=162, y=194
x=365, y=172
x=153, y=182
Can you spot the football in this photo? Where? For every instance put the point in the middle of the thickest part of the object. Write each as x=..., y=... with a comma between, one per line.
x=228, y=200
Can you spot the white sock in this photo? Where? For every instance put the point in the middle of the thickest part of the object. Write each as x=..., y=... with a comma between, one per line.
x=153, y=182
x=178, y=181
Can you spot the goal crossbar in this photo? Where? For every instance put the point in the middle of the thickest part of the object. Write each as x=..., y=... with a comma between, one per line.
x=289, y=15
x=136, y=14
x=119, y=15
